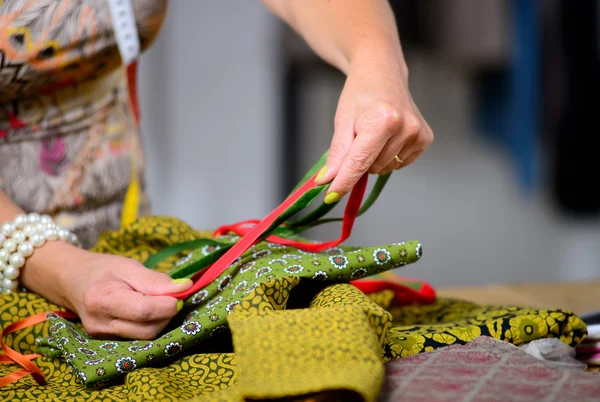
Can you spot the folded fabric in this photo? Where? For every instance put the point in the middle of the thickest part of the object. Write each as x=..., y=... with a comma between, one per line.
x=588, y=351
x=420, y=329
x=594, y=332
x=214, y=373
x=554, y=350
x=588, y=347
x=485, y=370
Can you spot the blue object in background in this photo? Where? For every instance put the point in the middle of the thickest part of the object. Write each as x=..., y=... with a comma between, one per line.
x=509, y=99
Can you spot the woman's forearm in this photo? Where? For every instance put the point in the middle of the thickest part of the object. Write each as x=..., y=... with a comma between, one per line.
x=8, y=209
x=343, y=31
x=42, y=271
x=377, y=126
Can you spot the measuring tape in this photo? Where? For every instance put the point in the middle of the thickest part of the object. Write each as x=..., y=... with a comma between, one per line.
x=128, y=42
x=125, y=29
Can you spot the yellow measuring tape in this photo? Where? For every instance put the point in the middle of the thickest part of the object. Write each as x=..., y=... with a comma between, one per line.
x=127, y=38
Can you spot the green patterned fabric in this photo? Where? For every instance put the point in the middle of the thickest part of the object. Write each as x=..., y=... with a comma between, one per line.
x=273, y=268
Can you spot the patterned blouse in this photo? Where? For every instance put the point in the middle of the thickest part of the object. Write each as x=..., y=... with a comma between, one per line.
x=67, y=131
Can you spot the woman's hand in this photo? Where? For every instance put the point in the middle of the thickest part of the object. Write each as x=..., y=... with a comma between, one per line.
x=112, y=295
x=378, y=127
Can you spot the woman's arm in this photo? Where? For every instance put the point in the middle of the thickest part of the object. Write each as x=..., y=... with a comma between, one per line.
x=97, y=286
x=378, y=128
x=8, y=209
x=37, y=275
x=341, y=31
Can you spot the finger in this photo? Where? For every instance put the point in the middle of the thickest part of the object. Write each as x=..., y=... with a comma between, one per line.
x=150, y=282
x=407, y=135
x=127, y=304
x=411, y=150
x=412, y=153
x=126, y=329
x=362, y=155
x=338, y=150
x=409, y=159
x=386, y=159
x=397, y=165
x=398, y=160
x=374, y=130
x=393, y=165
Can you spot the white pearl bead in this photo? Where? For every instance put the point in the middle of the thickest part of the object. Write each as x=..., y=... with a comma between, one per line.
x=73, y=239
x=4, y=254
x=10, y=245
x=11, y=272
x=39, y=227
x=63, y=234
x=19, y=237
x=26, y=249
x=20, y=221
x=2, y=266
x=16, y=260
x=33, y=217
x=9, y=284
x=8, y=228
x=46, y=219
x=2, y=238
x=38, y=240
x=49, y=226
x=29, y=230
x=51, y=234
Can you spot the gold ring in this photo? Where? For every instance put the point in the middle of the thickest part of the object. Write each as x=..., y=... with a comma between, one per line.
x=398, y=159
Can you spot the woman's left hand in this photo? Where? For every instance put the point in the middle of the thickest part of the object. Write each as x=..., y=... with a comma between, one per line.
x=378, y=127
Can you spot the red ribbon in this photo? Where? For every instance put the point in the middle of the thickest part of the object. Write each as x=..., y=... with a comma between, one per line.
x=251, y=235
x=350, y=214
x=403, y=295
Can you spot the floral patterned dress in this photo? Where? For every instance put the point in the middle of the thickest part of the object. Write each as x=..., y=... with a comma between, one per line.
x=67, y=131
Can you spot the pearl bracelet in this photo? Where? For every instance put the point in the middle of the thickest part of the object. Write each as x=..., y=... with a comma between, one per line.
x=19, y=238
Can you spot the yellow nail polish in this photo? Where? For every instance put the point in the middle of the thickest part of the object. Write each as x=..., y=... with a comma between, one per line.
x=180, y=281
x=332, y=197
x=179, y=305
x=321, y=173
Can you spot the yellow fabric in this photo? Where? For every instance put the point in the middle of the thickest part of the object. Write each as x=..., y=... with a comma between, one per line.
x=312, y=357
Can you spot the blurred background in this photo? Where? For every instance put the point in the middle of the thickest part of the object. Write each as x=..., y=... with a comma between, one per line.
x=235, y=108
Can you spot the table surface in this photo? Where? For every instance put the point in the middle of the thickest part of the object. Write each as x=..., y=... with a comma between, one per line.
x=578, y=297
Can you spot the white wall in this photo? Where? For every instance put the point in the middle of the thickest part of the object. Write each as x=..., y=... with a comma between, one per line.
x=209, y=112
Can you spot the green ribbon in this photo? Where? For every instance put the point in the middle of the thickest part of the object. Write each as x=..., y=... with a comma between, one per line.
x=289, y=230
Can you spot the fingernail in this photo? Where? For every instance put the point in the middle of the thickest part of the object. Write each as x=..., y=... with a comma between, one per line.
x=321, y=173
x=179, y=305
x=180, y=281
x=332, y=197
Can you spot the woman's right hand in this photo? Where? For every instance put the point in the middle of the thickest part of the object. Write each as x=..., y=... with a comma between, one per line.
x=112, y=295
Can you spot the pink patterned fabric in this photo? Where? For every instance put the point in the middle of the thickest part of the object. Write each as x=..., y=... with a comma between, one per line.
x=485, y=370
